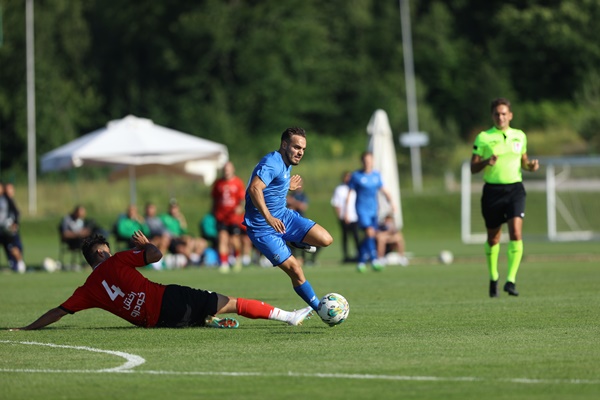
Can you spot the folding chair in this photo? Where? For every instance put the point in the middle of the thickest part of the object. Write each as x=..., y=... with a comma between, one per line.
x=74, y=254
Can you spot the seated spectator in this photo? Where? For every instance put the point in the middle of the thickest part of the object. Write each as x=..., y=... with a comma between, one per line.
x=75, y=227
x=9, y=228
x=390, y=239
x=208, y=229
x=181, y=241
x=129, y=223
x=158, y=234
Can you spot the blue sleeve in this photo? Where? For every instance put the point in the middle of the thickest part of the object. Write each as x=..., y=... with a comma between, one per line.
x=267, y=170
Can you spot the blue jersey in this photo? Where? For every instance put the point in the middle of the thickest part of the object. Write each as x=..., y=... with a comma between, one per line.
x=366, y=187
x=276, y=175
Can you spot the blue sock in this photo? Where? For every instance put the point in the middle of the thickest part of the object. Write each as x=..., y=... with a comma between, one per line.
x=363, y=251
x=372, y=246
x=308, y=294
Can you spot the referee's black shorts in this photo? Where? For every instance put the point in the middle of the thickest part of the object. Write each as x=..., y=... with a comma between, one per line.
x=183, y=306
x=499, y=203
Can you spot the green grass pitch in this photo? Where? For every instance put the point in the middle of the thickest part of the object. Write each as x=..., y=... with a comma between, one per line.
x=423, y=332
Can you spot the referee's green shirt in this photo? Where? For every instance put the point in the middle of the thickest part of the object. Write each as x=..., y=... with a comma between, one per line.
x=509, y=146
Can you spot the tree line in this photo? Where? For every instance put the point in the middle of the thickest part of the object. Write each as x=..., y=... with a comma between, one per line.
x=238, y=71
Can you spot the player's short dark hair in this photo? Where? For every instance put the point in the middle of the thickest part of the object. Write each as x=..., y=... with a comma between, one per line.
x=365, y=153
x=286, y=136
x=500, y=101
x=90, y=245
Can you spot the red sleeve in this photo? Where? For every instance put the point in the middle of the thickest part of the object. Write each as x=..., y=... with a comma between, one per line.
x=77, y=302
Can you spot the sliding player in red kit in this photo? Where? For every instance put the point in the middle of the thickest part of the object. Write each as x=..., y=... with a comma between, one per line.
x=115, y=285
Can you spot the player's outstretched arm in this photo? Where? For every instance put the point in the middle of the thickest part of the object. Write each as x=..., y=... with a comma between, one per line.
x=48, y=318
x=141, y=242
x=388, y=197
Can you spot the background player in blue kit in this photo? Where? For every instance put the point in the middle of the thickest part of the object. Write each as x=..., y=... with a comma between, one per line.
x=367, y=184
x=271, y=224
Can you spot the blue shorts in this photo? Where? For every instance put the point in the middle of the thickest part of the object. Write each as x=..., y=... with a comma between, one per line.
x=273, y=245
x=367, y=220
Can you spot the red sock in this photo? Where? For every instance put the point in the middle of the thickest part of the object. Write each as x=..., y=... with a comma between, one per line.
x=253, y=308
x=224, y=258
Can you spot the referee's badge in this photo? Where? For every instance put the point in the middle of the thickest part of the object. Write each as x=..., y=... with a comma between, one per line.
x=517, y=147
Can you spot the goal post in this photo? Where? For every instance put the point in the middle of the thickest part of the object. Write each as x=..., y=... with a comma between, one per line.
x=571, y=186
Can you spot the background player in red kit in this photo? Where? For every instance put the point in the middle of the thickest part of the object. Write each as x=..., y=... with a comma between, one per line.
x=115, y=285
x=228, y=193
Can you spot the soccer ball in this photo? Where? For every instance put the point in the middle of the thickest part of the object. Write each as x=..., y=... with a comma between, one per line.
x=333, y=309
x=446, y=257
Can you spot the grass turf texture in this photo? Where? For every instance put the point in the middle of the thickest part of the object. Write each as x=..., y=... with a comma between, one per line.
x=430, y=321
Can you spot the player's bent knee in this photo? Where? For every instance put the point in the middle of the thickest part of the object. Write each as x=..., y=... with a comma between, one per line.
x=327, y=240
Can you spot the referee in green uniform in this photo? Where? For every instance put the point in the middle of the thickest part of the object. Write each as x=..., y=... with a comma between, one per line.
x=501, y=152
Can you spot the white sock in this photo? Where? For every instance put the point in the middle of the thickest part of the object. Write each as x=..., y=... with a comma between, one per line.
x=21, y=268
x=278, y=314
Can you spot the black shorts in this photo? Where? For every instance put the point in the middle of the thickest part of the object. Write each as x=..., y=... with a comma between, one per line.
x=231, y=229
x=499, y=203
x=183, y=306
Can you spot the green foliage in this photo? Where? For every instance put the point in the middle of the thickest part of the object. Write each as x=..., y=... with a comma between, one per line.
x=540, y=37
x=239, y=72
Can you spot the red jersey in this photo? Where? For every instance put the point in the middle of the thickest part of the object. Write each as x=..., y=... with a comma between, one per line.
x=115, y=285
x=227, y=195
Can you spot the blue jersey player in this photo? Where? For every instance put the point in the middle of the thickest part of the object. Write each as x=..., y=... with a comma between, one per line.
x=367, y=184
x=270, y=224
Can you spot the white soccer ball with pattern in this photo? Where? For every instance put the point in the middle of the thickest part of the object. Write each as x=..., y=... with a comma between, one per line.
x=333, y=309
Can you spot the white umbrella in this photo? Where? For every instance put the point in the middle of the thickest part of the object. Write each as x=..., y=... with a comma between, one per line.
x=139, y=145
x=381, y=145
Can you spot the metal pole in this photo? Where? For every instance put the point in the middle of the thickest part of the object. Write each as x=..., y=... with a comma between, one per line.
x=31, y=152
x=465, y=202
x=551, y=201
x=411, y=93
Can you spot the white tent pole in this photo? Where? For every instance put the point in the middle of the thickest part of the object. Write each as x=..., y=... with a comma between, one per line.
x=132, y=191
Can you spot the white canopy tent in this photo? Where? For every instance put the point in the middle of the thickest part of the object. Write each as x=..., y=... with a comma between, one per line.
x=381, y=145
x=137, y=146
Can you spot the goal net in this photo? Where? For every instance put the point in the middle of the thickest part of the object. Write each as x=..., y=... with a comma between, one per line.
x=563, y=201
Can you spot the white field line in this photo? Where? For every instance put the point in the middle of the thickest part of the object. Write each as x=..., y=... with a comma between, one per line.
x=134, y=361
